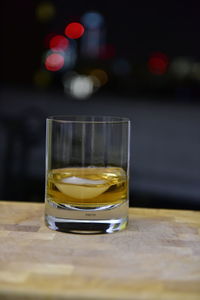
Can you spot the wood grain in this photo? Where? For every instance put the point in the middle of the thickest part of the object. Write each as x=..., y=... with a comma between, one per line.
x=157, y=257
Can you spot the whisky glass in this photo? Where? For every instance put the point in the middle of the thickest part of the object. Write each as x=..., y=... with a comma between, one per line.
x=87, y=174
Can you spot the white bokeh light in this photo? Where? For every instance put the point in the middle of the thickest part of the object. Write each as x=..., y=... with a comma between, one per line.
x=195, y=72
x=79, y=86
x=181, y=67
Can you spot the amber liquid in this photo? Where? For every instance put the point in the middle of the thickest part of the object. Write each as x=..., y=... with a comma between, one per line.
x=87, y=187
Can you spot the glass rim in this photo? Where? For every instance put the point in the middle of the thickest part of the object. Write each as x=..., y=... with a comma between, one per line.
x=100, y=119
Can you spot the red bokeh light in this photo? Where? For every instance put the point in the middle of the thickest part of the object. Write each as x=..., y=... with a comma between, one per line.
x=107, y=52
x=54, y=62
x=58, y=43
x=74, y=30
x=158, y=63
x=47, y=39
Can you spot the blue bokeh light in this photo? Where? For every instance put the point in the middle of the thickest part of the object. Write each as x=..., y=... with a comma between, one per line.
x=92, y=20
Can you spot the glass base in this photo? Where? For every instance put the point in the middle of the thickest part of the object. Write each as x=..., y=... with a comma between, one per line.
x=84, y=226
x=90, y=221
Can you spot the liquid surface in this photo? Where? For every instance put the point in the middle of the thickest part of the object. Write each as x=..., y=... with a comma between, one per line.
x=87, y=187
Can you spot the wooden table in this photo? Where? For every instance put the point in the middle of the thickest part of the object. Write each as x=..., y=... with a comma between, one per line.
x=157, y=257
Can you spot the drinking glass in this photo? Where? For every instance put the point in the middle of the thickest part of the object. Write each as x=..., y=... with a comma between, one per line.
x=87, y=173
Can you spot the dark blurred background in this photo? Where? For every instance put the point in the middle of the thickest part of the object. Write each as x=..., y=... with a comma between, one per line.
x=138, y=59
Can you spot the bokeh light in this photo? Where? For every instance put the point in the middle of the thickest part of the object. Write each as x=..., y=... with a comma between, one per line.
x=100, y=75
x=181, y=67
x=58, y=43
x=45, y=11
x=96, y=82
x=54, y=62
x=47, y=38
x=121, y=67
x=42, y=78
x=74, y=30
x=78, y=86
x=195, y=71
x=107, y=52
x=158, y=63
x=71, y=55
x=81, y=86
x=92, y=20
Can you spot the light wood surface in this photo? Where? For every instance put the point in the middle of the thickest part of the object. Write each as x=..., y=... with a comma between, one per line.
x=157, y=257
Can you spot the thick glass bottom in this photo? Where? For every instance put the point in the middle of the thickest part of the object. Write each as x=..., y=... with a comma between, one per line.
x=85, y=226
x=92, y=221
